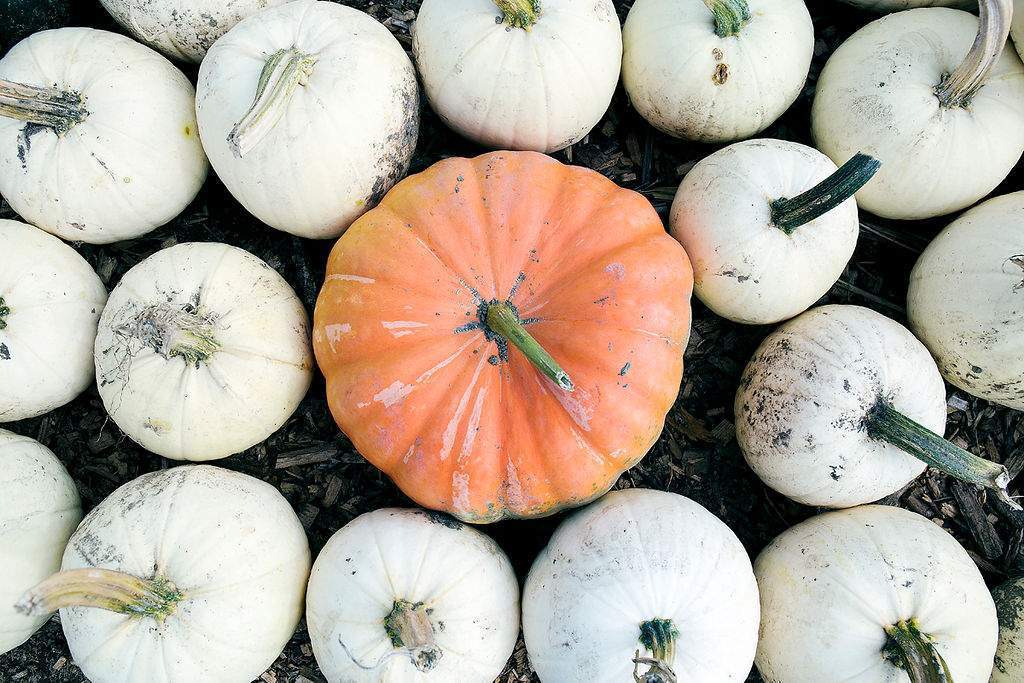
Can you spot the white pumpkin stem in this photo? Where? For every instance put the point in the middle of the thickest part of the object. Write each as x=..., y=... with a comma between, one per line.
x=519, y=13
x=4, y=311
x=730, y=16
x=102, y=589
x=502, y=319
x=790, y=214
x=282, y=75
x=60, y=110
x=887, y=424
x=408, y=626
x=957, y=89
x=658, y=636
x=915, y=653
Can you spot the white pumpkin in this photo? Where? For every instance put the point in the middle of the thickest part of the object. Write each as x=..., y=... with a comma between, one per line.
x=1017, y=27
x=182, y=29
x=334, y=121
x=966, y=300
x=50, y=302
x=885, y=6
x=1009, y=600
x=715, y=70
x=203, y=350
x=98, y=136
x=409, y=595
x=39, y=508
x=187, y=574
x=769, y=226
x=645, y=582
x=942, y=112
x=866, y=594
x=842, y=406
x=519, y=74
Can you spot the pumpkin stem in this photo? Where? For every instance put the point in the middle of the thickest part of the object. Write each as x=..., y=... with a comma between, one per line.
x=59, y=110
x=4, y=310
x=658, y=636
x=503, y=320
x=790, y=214
x=103, y=589
x=958, y=87
x=730, y=16
x=915, y=653
x=408, y=626
x=887, y=424
x=283, y=73
x=519, y=13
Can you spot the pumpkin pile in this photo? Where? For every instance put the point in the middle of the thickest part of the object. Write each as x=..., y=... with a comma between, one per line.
x=502, y=334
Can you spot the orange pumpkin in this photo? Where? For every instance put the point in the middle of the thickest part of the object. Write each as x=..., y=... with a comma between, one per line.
x=504, y=335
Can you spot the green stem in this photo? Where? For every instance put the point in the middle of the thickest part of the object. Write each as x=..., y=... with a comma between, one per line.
x=408, y=626
x=915, y=653
x=4, y=311
x=887, y=424
x=790, y=214
x=60, y=110
x=658, y=636
x=730, y=16
x=282, y=75
x=519, y=13
x=102, y=589
x=502, y=320
x=958, y=87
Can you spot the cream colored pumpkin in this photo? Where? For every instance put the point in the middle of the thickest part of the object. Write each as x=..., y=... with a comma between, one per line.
x=193, y=573
x=769, y=226
x=842, y=406
x=203, y=351
x=966, y=300
x=50, y=302
x=945, y=119
x=334, y=121
x=511, y=76
x=98, y=136
x=1009, y=600
x=409, y=595
x=644, y=581
x=843, y=594
x=182, y=29
x=1017, y=26
x=39, y=508
x=717, y=70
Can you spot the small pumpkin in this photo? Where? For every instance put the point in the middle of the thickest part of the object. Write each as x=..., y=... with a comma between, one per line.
x=39, y=508
x=556, y=62
x=1009, y=600
x=504, y=335
x=945, y=115
x=182, y=29
x=715, y=70
x=769, y=226
x=409, y=595
x=874, y=593
x=641, y=581
x=98, y=137
x=842, y=406
x=309, y=112
x=186, y=574
x=50, y=302
x=22, y=18
x=965, y=300
x=202, y=351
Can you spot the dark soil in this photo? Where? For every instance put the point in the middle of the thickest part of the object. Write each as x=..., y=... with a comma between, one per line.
x=329, y=483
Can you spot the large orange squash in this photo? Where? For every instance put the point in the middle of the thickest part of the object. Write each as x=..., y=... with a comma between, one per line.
x=504, y=335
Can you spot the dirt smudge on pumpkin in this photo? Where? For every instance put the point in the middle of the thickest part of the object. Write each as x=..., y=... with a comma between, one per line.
x=25, y=142
x=721, y=74
x=443, y=519
x=1018, y=260
x=395, y=152
x=5, y=353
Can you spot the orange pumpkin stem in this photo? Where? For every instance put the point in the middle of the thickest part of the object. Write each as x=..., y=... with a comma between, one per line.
x=503, y=320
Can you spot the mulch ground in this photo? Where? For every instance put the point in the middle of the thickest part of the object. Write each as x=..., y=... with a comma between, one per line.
x=328, y=482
